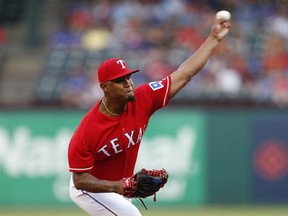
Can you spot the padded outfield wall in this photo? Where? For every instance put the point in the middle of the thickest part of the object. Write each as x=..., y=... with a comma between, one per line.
x=212, y=155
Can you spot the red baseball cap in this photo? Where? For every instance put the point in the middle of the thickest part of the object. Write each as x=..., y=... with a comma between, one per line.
x=113, y=68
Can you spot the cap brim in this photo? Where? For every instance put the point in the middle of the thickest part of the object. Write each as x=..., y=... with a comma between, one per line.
x=125, y=74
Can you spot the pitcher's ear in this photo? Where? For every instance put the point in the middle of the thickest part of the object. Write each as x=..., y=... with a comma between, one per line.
x=103, y=86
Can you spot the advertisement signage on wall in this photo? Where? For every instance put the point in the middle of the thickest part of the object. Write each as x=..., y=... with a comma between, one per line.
x=33, y=156
x=33, y=161
x=270, y=160
x=228, y=156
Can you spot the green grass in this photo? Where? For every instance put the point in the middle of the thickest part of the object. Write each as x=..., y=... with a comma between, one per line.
x=219, y=211
x=193, y=211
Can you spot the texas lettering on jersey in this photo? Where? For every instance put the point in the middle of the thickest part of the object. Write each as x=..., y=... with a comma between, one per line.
x=114, y=146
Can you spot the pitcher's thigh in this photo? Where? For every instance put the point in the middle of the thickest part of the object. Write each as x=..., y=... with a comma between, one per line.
x=104, y=204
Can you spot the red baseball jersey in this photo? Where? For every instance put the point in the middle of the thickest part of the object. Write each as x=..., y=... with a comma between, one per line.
x=107, y=147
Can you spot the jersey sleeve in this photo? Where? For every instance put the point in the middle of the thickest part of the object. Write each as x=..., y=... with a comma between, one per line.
x=155, y=95
x=80, y=158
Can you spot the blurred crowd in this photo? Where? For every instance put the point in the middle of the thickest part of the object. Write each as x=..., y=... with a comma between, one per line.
x=156, y=36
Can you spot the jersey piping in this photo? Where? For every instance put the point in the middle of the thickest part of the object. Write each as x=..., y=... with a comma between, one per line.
x=80, y=169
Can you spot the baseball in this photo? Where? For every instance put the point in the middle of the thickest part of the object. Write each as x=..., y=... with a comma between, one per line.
x=223, y=14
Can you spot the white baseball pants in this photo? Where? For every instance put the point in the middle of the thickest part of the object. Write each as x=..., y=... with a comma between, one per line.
x=103, y=204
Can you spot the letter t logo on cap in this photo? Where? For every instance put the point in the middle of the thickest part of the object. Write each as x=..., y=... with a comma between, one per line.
x=121, y=62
